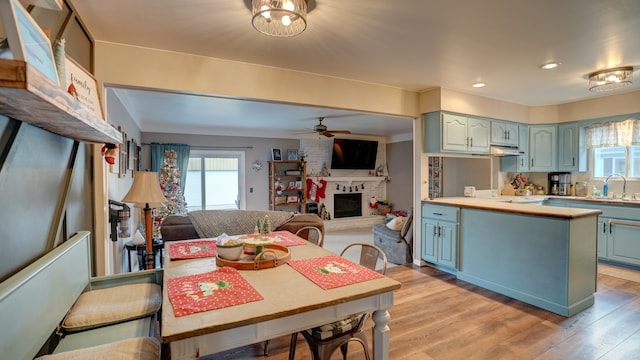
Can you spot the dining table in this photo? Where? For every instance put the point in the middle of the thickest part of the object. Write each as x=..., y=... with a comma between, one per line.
x=289, y=303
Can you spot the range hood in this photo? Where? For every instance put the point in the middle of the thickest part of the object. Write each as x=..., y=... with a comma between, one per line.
x=504, y=151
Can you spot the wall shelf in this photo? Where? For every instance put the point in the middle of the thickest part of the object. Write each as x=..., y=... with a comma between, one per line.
x=28, y=95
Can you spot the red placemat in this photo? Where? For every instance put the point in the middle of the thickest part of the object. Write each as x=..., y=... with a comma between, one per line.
x=287, y=238
x=192, y=249
x=209, y=291
x=333, y=271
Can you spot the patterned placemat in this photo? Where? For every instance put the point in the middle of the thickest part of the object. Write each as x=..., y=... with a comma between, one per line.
x=209, y=291
x=192, y=249
x=286, y=238
x=333, y=271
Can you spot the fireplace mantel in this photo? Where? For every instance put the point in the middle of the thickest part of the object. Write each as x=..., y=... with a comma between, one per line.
x=353, y=178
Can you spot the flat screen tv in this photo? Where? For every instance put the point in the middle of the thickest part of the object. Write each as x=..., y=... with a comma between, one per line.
x=350, y=154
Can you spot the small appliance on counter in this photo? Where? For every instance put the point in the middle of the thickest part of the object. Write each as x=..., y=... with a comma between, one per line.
x=581, y=188
x=470, y=191
x=559, y=184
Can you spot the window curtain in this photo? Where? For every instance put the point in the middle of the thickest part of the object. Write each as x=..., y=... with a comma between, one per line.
x=624, y=133
x=157, y=158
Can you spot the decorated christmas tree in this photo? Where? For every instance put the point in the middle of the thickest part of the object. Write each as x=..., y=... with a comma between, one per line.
x=170, y=185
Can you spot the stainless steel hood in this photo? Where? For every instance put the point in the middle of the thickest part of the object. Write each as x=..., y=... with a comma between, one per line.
x=505, y=151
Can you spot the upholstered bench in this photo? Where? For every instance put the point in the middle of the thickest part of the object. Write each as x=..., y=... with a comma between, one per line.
x=145, y=348
x=55, y=307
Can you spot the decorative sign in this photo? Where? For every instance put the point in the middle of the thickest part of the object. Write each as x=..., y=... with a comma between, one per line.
x=83, y=86
x=26, y=40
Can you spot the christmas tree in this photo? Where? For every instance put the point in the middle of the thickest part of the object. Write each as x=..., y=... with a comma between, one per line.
x=170, y=185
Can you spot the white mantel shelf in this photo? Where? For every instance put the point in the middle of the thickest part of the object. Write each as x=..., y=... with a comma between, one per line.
x=353, y=178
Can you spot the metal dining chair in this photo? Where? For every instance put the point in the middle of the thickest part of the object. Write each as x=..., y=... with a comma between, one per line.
x=324, y=340
x=313, y=235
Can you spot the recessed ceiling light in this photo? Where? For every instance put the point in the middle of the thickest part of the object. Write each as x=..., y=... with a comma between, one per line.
x=549, y=66
x=478, y=85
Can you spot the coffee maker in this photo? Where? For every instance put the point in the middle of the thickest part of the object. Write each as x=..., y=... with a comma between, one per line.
x=559, y=183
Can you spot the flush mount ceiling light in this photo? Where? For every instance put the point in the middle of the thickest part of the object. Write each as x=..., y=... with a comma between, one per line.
x=611, y=79
x=478, y=84
x=549, y=65
x=279, y=18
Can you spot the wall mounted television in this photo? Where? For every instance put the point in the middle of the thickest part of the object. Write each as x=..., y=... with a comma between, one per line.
x=350, y=154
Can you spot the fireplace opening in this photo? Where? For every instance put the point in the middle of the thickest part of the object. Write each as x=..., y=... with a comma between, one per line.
x=346, y=205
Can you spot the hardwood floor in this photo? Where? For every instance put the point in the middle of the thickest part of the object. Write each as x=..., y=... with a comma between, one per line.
x=437, y=317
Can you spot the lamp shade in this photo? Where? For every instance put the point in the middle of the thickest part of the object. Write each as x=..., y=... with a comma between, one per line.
x=145, y=190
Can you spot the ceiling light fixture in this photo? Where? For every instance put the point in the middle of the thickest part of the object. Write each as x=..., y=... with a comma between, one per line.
x=478, y=85
x=549, y=65
x=611, y=79
x=279, y=18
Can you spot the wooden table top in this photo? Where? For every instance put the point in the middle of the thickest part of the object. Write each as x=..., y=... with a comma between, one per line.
x=286, y=292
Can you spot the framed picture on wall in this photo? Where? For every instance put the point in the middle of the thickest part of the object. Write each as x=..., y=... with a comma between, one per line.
x=292, y=154
x=27, y=41
x=276, y=154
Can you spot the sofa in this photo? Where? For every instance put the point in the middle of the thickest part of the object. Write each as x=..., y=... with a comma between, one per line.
x=396, y=244
x=212, y=223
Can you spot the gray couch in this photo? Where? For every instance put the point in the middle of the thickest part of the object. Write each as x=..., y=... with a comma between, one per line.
x=397, y=245
x=211, y=223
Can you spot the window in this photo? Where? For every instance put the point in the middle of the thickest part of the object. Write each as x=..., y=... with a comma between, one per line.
x=215, y=180
x=614, y=160
x=615, y=148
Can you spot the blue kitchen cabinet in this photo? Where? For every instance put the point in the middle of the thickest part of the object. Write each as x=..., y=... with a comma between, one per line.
x=568, y=147
x=504, y=133
x=543, y=148
x=465, y=134
x=440, y=236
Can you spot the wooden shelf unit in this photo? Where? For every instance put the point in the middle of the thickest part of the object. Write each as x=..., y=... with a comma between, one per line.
x=278, y=175
x=28, y=95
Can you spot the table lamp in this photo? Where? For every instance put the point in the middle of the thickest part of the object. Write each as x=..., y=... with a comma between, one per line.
x=145, y=193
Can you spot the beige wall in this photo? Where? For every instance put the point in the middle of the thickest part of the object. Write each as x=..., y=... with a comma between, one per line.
x=150, y=68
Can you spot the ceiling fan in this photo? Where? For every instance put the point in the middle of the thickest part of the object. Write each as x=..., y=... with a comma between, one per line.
x=322, y=129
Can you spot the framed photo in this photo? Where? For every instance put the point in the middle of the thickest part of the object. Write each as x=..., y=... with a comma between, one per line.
x=124, y=158
x=292, y=199
x=83, y=86
x=299, y=185
x=27, y=41
x=132, y=155
x=292, y=154
x=276, y=154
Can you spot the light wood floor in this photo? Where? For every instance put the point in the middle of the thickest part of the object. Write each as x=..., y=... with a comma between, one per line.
x=436, y=316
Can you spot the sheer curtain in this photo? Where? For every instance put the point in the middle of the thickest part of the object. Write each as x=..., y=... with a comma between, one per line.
x=157, y=158
x=624, y=133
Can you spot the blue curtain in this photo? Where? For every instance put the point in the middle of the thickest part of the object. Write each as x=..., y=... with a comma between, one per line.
x=157, y=158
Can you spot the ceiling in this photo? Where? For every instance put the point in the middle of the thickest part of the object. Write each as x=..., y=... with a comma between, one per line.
x=410, y=44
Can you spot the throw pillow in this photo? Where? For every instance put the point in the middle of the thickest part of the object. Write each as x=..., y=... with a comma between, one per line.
x=396, y=223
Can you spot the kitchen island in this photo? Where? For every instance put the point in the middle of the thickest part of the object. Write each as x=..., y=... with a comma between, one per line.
x=542, y=255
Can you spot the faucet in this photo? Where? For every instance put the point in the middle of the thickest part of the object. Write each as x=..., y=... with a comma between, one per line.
x=624, y=184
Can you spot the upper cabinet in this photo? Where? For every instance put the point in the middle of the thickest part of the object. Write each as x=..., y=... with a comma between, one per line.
x=504, y=133
x=543, y=148
x=465, y=134
x=568, y=147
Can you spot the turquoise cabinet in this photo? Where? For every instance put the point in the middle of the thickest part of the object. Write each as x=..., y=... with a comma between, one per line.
x=465, y=134
x=439, y=244
x=568, y=147
x=543, y=148
x=618, y=230
x=504, y=133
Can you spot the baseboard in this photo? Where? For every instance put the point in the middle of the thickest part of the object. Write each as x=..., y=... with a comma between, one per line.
x=353, y=222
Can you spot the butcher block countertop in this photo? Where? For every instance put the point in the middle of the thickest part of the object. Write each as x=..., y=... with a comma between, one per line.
x=504, y=205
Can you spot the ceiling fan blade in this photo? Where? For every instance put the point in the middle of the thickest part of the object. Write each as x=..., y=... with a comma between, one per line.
x=327, y=134
x=339, y=131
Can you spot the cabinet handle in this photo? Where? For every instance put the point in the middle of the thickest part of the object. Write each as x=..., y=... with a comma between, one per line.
x=439, y=229
x=438, y=214
x=604, y=227
x=522, y=161
x=573, y=161
x=625, y=223
x=467, y=141
x=434, y=231
x=471, y=139
x=531, y=162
